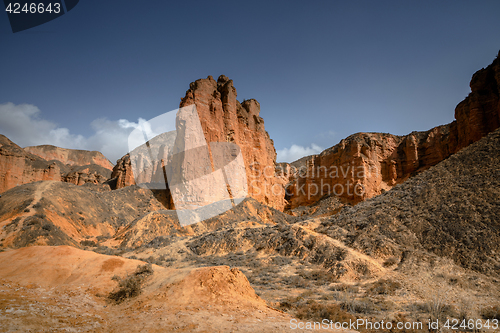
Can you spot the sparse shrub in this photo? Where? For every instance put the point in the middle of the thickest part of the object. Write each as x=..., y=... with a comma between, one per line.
x=296, y=281
x=464, y=309
x=27, y=210
x=37, y=205
x=40, y=215
x=87, y=242
x=281, y=261
x=319, y=275
x=401, y=318
x=159, y=241
x=390, y=261
x=344, y=287
x=438, y=309
x=101, y=238
x=363, y=305
x=108, y=251
x=47, y=226
x=491, y=312
x=384, y=287
x=316, y=311
x=131, y=285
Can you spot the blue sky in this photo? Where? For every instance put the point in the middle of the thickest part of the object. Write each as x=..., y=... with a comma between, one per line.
x=320, y=70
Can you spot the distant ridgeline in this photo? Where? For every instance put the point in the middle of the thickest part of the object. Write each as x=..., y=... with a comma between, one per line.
x=358, y=167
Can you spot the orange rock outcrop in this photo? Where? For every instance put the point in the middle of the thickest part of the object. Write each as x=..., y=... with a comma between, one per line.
x=224, y=119
x=70, y=156
x=18, y=166
x=366, y=164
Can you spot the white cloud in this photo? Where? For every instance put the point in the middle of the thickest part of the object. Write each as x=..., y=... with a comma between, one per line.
x=295, y=152
x=23, y=125
x=327, y=135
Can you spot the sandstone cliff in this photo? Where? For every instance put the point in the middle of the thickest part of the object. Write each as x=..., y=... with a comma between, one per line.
x=70, y=156
x=19, y=166
x=224, y=119
x=367, y=164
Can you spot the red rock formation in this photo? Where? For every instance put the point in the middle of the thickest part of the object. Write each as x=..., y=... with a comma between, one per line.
x=373, y=162
x=18, y=166
x=93, y=173
x=123, y=172
x=70, y=156
x=479, y=113
x=224, y=119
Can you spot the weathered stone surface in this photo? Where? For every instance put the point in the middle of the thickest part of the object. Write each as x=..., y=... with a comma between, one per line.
x=70, y=156
x=18, y=166
x=451, y=210
x=224, y=119
x=123, y=172
x=94, y=174
x=479, y=113
x=367, y=164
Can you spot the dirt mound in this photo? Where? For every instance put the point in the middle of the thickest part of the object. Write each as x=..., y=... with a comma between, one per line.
x=49, y=267
x=217, y=284
x=450, y=210
x=153, y=228
x=63, y=288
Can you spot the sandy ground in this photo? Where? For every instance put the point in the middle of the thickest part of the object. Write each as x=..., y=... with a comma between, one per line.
x=63, y=289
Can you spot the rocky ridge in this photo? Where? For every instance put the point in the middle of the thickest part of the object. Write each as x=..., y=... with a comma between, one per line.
x=21, y=166
x=367, y=164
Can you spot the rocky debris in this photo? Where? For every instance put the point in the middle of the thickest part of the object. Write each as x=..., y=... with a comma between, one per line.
x=450, y=210
x=162, y=227
x=93, y=174
x=290, y=241
x=367, y=164
x=224, y=119
x=153, y=229
x=326, y=206
x=70, y=156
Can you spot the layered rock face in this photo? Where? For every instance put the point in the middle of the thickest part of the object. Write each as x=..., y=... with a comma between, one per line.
x=70, y=156
x=367, y=164
x=479, y=113
x=18, y=166
x=224, y=119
